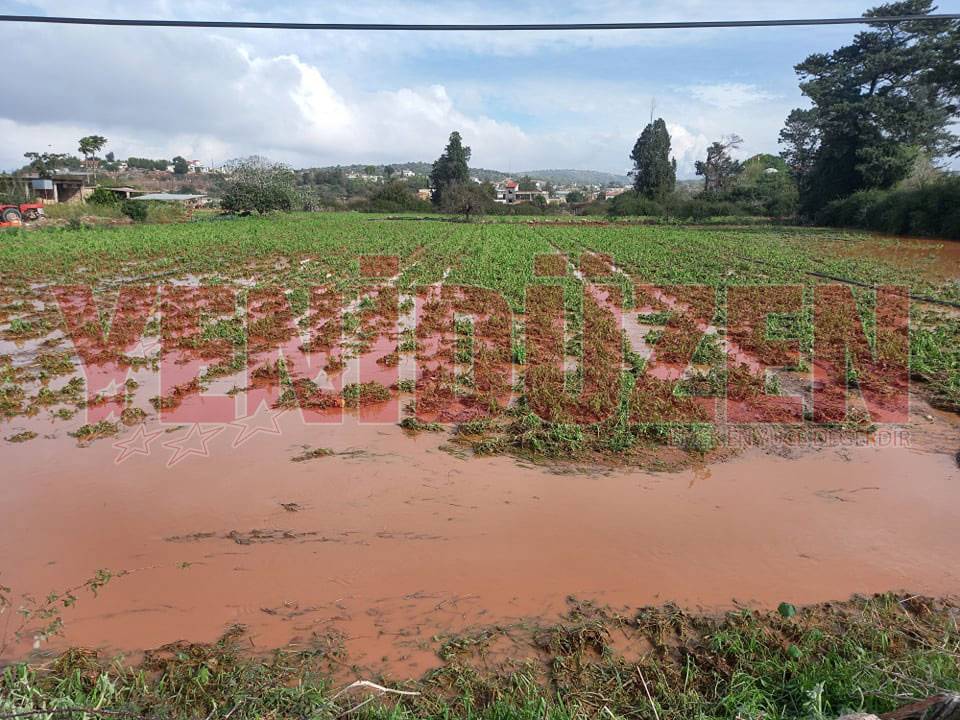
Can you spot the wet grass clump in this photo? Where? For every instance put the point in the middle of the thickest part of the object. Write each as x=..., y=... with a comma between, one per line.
x=656, y=663
x=312, y=454
x=367, y=393
x=411, y=424
x=88, y=433
x=21, y=437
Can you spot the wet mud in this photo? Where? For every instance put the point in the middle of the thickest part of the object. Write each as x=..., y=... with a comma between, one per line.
x=388, y=543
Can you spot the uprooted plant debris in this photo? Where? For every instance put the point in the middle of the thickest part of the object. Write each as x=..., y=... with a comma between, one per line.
x=867, y=654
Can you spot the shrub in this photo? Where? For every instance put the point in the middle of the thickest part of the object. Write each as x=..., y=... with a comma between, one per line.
x=932, y=209
x=396, y=196
x=135, y=210
x=632, y=203
x=257, y=185
x=466, y=199
x=102, y=196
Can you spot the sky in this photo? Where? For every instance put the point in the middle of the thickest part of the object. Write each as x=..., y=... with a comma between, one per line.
x=521, y=100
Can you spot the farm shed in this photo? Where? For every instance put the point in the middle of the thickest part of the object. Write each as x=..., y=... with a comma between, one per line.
x=189, y=200
x=125, y=193
x=67, y=187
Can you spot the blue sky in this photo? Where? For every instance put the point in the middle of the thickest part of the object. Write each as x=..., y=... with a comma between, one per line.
x=521, y=100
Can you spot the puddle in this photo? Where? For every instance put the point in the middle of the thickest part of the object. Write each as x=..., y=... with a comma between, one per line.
x=393, y=541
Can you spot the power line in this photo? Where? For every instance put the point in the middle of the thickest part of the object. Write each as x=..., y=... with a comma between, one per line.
x=230, y=24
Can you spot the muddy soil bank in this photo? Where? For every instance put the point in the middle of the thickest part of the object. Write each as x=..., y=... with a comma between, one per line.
x=392, y=541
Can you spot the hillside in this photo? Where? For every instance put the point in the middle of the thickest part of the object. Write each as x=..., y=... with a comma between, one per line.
x=557, y=177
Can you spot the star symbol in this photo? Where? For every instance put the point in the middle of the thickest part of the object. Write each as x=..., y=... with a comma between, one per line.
x=182, y=450
x=256, y=424
x=145, y=347
x=137, y=444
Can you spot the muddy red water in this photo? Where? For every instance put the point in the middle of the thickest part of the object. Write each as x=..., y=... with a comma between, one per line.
x=935, y=259
x=396, y=539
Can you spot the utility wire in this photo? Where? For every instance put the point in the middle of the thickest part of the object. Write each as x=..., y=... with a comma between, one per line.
x=881, y=20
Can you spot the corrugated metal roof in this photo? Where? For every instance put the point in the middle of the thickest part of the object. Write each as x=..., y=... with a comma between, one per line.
x=169, y=197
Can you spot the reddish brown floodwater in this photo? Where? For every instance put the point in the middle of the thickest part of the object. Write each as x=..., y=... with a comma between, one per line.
x=934, y=259
x=395, y=540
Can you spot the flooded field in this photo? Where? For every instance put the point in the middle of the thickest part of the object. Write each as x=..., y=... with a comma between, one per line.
x=393, y=541
x=388, y=540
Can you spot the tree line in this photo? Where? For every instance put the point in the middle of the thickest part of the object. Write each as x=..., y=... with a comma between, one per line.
x=881, y=114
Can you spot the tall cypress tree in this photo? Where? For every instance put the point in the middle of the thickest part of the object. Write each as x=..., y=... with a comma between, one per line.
x=654, y=172
x=450, y=168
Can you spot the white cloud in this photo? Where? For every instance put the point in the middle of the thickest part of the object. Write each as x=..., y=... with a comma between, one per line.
x=728, y=96
x=686, y=146
x=243, y=103
x=321, y=98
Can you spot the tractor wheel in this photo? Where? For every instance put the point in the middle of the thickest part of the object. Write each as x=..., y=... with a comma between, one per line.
x=12, y=215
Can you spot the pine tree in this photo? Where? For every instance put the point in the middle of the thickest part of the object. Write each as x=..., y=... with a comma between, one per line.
x=450, y=168
x=877, y=103
x=654, y=173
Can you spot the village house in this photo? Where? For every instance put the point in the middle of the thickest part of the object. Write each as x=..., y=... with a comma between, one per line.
x=609, y=193
x=509, y=192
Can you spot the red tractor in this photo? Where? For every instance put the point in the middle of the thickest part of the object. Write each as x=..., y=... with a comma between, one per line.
x=16, y=214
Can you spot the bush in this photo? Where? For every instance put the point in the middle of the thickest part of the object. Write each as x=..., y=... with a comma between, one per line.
x=257, y=185
x=396, y=196
x=632, y=203
x=136, y=210
x=102, y=196
x=466, y=199
x=933, y=210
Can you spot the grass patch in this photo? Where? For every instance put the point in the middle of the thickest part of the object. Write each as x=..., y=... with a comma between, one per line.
x=868, y=654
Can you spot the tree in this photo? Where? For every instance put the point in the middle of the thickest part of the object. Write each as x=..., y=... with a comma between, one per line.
x=451, y=168
x=466, y=199
x=876, y=104
x=801, y=136
x=654, y=173
x=146, y=164
x=91, y=145
x=719, y=169
x=766, y=185
x=576, y=196
x=526, y=184
x=389, y=171
x=180, y=165
x=258, y=185
x=111, y=157
x=44, y=163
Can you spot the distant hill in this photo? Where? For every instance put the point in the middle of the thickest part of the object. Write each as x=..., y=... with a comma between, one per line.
x=576, y=177
x=557, y=177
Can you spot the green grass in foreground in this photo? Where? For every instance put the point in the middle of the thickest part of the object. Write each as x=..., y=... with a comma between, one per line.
x=866, y=654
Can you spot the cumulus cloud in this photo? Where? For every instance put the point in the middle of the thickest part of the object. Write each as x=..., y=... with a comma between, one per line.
x=222, y=100
x=326, y=98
